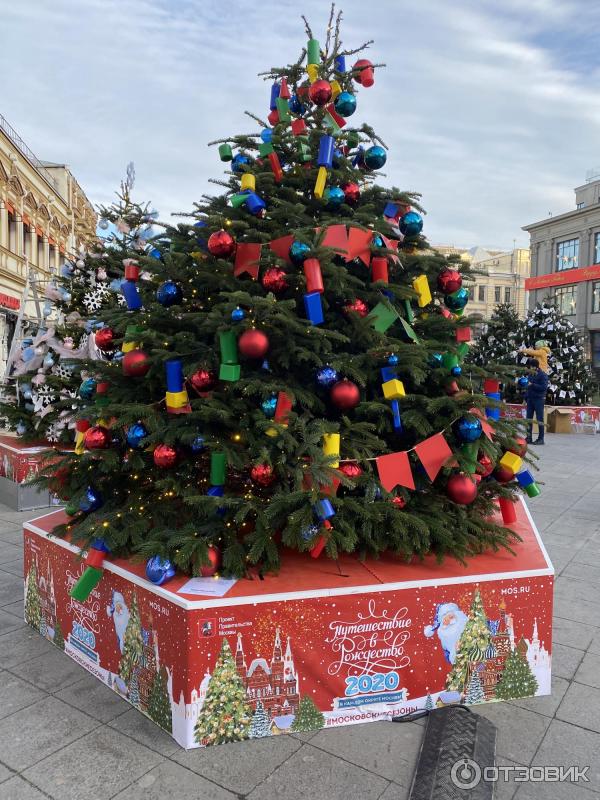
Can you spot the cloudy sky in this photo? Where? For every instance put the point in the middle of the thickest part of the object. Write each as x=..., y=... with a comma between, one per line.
x=491, y=110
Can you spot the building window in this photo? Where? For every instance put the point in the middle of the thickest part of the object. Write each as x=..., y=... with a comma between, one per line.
x=566, y=299
x=481, y=294
x=507, y=294
x=471, y=292
x=497, y=294
x=580, y=205
x=597, y=248
x=595, y=336
x=567, y=254
x=596, y=298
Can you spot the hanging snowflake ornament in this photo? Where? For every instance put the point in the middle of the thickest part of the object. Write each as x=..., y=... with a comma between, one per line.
x=63, y=371
x=53, y=432
x=95, y=298
x=42, y=398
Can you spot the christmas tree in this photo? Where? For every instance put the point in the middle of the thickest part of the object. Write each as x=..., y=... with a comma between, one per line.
x=58, y=639
x=33, y=611
x=159, y=704
x=225, y=715
x=517, y=679
x=261, y=723
x=474, y=690
x=308, y=717
x=497, y=345
x=287, y=378
x=472, y=645
x=133, y=643
x=429, y=704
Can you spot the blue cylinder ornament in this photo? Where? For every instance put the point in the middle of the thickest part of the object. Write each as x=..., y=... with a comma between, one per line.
x=345, y=104
x=154, y=252
x=198, y=445
x=135, y=434
x=334, y=197
x=266, y=135
x=174, y=375
x=131, y=294
x=275, y=89
x=468, y=430
x=298, y=252
x=238, y=162
x=324, y=509
x=255, y=204
x=327, y=376
x=340, y=63
x=375, y=157
x=411, y=224
x=169, y=294
x=238, y=314
x=87, y=389
x=325, y=156
x=457, y=300
x=269, y=406
x=159, y=570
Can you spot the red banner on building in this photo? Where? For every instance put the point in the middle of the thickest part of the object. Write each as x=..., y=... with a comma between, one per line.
x=564, y=278
x=9, y=302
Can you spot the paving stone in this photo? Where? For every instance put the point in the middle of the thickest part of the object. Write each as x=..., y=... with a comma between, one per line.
x=136, y=725
x=93, y=697
x=395, y=792
x=96, y=767
x=505, y=787
x=519, y=731
x=581, y=706
x=577, y=610
x=392, y=752
x=22, y=645
x=9, y=552
x=31, y=734
x=588, y=671
x=568, y=745
x=572, y=634
x=13, y=567
x=50, y=671
x=5, y=774
x=169, y=780
x=241, y=766
x=16, y=608
x=11, y=533
x=554, y=791
x=545, y=704
x=560, y=556
x=330, y=778
x=565, y=661
x=16, y=694
x=9, y=622
x=595, y=643
x=19, y=789
x=572, y=588
x=11, y=588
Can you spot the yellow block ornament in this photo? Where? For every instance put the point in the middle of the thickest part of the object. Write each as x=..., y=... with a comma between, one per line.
x=320, y=182
x=511, y=461
x=331, y=446
x=313, y=72
x=335, y=89
x=248, y=182
x=393, y=390
x=421, y=287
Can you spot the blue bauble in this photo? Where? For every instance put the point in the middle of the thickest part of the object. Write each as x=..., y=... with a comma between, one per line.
x=457, y=300
x=295, y=106
x=309, y=532
x=345, y=104
x=268, y=406
x=238, y=162
x=159, y=570
x=118, y=355
x=334, y=197
x=435, y=359
x=201, y=239
x=87, y=389
x=393, y=360
x=238, y=314
x=298, y=252
x=135, y=434
x=411, y=224
x=266, y=135
x=169, y=294
x=92, y=500
x=523, y=382
x=48, y=361
x=456, y=371
x=468, y=430
x=375, y=157
x=198, y=445
x=377, y=241
x=327, y=376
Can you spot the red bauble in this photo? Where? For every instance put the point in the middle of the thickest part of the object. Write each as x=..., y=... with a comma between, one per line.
x=262, y=474
x=358, y=307
x=351, y=193
x=350, y=469
x=135, y=364
x=461, y=489
x=485, y=465
x=253, y=344
x=97, y=438
x=449, y=280
x=345, y=395
x=104, y=338
x=519, y=448
x=221, y=244
x=362, y=72
x=214, y=556
x=274, y=280
x=165, y=456
x=203, y=380
x=320, y=92
x=399, y=502
x=503, y=474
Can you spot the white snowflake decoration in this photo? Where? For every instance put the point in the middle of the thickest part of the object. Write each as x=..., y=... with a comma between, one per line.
x=95, y=299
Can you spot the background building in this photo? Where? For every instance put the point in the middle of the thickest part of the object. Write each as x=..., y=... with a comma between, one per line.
x=565, y=263
x=44, y=215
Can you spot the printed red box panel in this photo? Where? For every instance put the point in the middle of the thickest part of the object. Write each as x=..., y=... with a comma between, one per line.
x=580, y=415
x=213, y=661
x=19, y=462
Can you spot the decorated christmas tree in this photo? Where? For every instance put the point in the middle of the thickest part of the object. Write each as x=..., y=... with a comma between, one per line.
x=496, y=346
x=471, y=647
x=517, y=679
x=159, y=704
x=290, y=375
x=225, y=715
x=133, y=644
x=58, y=639
x=33, y=611
x=429, y=704
x=261, y=723
x=308, y=717
x=474, y=690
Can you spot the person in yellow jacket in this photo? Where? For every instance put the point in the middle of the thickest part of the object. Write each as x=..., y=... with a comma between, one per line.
x=541, y=352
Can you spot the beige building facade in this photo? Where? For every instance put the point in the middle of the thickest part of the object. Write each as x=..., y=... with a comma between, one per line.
x=44, y=217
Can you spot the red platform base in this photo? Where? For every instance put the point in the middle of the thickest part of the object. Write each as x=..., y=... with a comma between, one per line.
x=213, y=661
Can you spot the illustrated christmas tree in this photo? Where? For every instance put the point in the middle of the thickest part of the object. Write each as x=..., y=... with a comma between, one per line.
x=308, y=717
x=58, y=638
x=472, y=645
x=159, y=703
x=475, y=692
x=33, y=610
x=134, y=689
x=572, y=381
x=290, y=375
x=225, y=715
x=133, y=643
x=261, y=723
x=429, y=704
x=517, y=679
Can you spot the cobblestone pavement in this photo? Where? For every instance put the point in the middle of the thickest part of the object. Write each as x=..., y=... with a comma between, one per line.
x=65, y=736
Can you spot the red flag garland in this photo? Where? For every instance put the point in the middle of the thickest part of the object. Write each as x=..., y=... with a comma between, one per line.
x=394, y=470
x=433, y=454
x=247, y=259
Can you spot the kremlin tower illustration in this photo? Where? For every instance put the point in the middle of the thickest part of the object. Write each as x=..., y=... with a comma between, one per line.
x=275, y=684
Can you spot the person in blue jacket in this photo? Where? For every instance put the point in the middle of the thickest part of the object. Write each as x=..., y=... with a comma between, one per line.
x=536, y=397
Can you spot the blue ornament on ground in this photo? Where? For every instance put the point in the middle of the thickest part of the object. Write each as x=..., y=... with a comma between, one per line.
x=334, y=197
x=457, y=300
x=327, y=376
x=238, y=314
x=523, y=382
x=198, y=445
x=456, y=371
x=295, y=106
x=87, y=389
x=266, y=135
x=135, y=434
x=468, y=430
x=411, y=224
x=309, y=532
x=159, y=570
x=393, y=360
x=169, y=294
x=92, y=500
x=345, y=104
x=298, y=252
x=238, y=162
x=435, y=359
x=375, y=157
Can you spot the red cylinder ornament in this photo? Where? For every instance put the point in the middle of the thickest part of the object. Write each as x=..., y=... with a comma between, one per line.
x=253, y=344
x=449, y=280
x=97, y=438
x=273, y=117
x=379, y=269
x=358, y=307
x=461, y=489
x=165, y=456
x=314, y=279
x=274, y=280
x=508, y=510
x=214, y=557
x=262, y=474
x=203, y=380
x=363, y=72
x=135, y=363
x=132, y=272
x=345, y=395
x=319, y=92
x=104, y=338
x=221, y=244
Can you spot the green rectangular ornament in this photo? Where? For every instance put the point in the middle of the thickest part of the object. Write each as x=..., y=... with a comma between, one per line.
x=382, y=317
x=229, y=372
x=228, y=343
x=462, y=350
x=218, y=467
x=409, y=331
x=264, y=148
x=283, y=107
x=410, y=316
